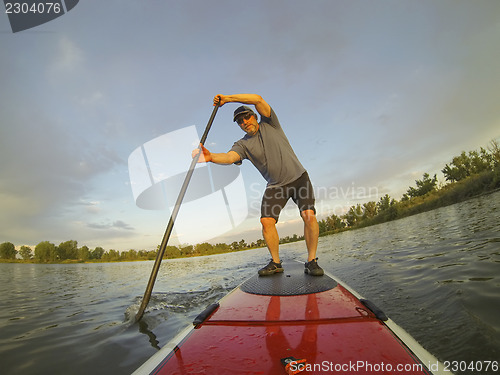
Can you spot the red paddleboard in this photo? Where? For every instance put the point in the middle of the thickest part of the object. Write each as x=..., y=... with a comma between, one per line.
x=292, y=323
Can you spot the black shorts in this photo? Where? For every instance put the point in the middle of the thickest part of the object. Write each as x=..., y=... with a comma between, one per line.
x=275, y=198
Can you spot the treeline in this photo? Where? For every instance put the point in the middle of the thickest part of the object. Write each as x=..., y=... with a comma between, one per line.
x=467, y=175
x=69, y=252
x=206, y=248
x=47, y=252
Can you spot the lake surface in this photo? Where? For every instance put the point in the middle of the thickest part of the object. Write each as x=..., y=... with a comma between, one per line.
x=436, y=274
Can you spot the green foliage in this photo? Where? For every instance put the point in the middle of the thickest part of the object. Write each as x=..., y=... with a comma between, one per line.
x=331, y=223
x=26, y=252
x=146, y=255
x=474, y=162
x=384, y=203
x=369, y=210
x=67, y=250
x=289, y=239
x=387, y=208
x=354, y=215
x=424, y=186
x=186, y=250
x=469, y=174
x=84, y=253
x=172, y=252
x=111, y=255
x=494, y=149
x=97, y=253
x=45, y=251
x=7, y=251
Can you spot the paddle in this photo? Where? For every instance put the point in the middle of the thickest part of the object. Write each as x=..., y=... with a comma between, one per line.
x=170, y=226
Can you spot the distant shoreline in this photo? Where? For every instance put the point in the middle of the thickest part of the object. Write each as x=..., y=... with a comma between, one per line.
x=434, y=201
x=469, y=175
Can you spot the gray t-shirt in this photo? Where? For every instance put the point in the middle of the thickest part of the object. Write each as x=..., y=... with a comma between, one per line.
x=270, y=152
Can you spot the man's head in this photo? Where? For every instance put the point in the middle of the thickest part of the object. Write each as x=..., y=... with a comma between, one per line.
x=242, y=110
x=246, y=118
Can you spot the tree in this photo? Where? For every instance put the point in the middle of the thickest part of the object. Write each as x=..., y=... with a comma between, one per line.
x=45, y=252
x=388, y=208
x=322, y=226
x=111, y=255
x=458, y=169
x=84, y=253
x=204, y=248
x=384, y=203
x=494, y=149
x=147, y=255
x=7, y=251
x=261, y=242
x=424, y=186
x=171, y=252
x=26, y=252
x=481, y=161
x=335, y=222
x=222, y=247
x=67, y=250
x=97, y=253
x=370, y=210
x=331, y=223
x=475, y=162
x=354, y=215
x=129, y=255
x=186, y=250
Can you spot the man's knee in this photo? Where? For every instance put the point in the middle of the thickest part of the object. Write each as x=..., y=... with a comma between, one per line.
x=309, y=216
x=267, y=222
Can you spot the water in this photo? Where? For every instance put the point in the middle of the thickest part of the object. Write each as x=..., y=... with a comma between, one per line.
x=436, y=274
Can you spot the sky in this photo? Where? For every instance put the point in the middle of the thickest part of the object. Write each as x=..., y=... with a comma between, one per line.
x=371, y=94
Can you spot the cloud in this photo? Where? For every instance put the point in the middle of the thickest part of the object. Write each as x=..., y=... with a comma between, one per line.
x=47, y=169
x=368, y=93
x=118, y=224
x=91, y=100
x=69, y=57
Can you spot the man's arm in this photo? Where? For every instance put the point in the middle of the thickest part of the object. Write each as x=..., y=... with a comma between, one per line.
x=223, y=158
x=260, y=104
x=229, y=157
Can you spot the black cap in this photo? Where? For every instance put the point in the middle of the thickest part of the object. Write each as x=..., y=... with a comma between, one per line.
x=241, y=110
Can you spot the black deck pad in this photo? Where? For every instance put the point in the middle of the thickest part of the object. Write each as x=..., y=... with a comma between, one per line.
x=292, y=282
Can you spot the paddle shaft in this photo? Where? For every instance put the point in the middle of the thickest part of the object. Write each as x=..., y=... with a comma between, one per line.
x=170, y=226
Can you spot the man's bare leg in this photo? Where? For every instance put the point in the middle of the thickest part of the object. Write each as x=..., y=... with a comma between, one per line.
x=271, y=237
x=311, y=233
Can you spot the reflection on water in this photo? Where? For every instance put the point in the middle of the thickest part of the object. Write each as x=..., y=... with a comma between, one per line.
x=437, y=274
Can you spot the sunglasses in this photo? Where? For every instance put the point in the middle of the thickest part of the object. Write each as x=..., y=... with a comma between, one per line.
x=240, y=119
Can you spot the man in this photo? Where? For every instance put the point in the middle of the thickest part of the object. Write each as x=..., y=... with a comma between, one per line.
x=267, y=147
